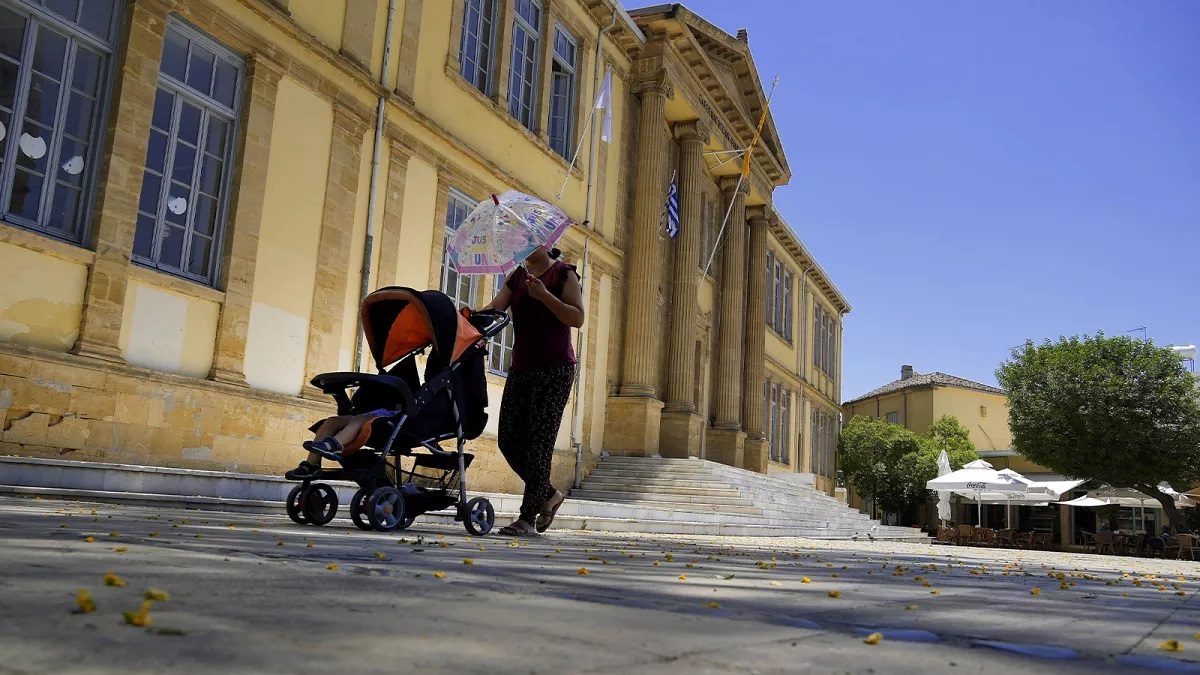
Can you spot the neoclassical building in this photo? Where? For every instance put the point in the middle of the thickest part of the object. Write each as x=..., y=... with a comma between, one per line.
x=193, y=194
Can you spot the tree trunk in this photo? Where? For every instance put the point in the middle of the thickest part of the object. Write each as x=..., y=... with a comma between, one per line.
x=1178, y=522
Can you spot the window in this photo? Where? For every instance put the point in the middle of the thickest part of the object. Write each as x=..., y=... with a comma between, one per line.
x=785, y=454
x=185, y=184
x=475, y=48
x=55, y=63
x=779, y=296
x=562, y=92
x=460, y=288
x=824, y=444
x=824, y=340
x=526, y=35
x=772, y=420
x=893, y=418
x=500, y=348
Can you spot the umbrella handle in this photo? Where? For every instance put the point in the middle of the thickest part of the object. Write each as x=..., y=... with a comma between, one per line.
x=495, y=199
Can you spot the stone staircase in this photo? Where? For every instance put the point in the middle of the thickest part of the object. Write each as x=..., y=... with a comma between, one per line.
x=692, y=489
x=676, y=497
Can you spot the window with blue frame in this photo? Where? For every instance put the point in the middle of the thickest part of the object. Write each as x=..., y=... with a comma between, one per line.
x=184, y=201
x=55, y=76
x=476, y=46
x=562, y=91
x=523, y=68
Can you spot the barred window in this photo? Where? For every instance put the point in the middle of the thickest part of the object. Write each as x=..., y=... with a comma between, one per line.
x=500, y=347
x=526, y=36
x=461, y=288
x=562, y=91
x=475, y=49
x=55, y=72
x=893, y=418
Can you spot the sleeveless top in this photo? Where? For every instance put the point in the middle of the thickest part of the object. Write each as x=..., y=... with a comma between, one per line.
x=541, y=340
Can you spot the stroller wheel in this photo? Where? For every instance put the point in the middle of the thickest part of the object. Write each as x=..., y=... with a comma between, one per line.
x=320, y=503
x=385, y=509
x=358, y=505
x=293, y=506
x=480, y=516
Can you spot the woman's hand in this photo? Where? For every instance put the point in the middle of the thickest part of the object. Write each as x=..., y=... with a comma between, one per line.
x=537, y=289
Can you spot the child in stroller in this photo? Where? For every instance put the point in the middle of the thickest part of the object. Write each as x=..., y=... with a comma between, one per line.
x=383, y=419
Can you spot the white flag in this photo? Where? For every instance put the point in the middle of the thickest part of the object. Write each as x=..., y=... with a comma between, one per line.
x=604, y=100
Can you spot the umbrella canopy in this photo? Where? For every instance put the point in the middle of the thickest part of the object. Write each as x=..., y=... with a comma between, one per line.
x=502, y=231
x=977, y=477
x=1050, y=489
x=943, y=506
x=1132, y=498
x=1086, y=501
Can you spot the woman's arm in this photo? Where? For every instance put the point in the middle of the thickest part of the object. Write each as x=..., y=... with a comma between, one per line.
x=503, y=298
x=569, y=310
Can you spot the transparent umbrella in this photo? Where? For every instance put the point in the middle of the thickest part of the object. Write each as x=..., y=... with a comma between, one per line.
x=502, y=231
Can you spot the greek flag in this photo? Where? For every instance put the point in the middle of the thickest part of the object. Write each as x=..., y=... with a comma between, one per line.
x=672, y=210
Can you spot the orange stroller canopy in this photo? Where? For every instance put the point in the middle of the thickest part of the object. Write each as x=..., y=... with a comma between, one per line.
x=399, y=321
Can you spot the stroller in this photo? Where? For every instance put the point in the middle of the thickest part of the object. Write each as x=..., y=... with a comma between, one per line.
x=450, y=404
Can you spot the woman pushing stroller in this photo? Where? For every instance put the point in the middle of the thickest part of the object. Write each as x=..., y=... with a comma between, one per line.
x=545, y=299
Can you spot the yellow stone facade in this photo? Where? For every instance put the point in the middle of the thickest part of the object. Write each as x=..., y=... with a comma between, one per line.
x=108, y=352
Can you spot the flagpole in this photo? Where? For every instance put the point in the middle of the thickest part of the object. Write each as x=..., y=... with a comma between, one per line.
x=578, y=146
x=584, y=277
x=742, y=175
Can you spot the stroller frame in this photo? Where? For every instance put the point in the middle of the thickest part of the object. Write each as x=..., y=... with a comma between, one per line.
x=384, y=503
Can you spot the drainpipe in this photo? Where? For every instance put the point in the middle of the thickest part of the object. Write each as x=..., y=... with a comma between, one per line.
x=369, y=242
x=577, y=407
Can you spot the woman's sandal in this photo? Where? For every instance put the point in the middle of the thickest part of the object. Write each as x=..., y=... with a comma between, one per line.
x=518, y=528
x=550, y=509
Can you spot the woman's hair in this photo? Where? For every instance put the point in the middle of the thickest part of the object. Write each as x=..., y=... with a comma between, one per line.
x=555, y=253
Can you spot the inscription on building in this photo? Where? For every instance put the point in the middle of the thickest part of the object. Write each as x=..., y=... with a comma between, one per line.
x=730, y=139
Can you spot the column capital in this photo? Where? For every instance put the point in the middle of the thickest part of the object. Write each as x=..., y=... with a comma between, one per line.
x=691, y=131
x=757, y=214
x=730, y=183
x=350, y=118
x=654, y=82
x=260, y=66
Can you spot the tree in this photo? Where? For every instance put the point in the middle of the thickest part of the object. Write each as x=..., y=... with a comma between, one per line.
x=1111, y=409
x=950, y=435
x=892, y=464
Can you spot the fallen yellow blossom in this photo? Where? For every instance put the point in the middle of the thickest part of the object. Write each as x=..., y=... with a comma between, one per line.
x=84, y=600
x=713, y=605
x=89, y=540
x=468, y=561
x=121, y=549
x=874, y=638
x=683, y=577
x=332, y=567
x=909, y=608
x=439, y=575
x=583, y=571
x=155, y=594
x=835, y=594
x=310, y=545
x=1171, y=646
x=806, y=580
x=111, y=579
x=1036, y=591
x=139, y=618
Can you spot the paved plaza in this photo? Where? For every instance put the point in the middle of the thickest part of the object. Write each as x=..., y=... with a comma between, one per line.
x=256, y=593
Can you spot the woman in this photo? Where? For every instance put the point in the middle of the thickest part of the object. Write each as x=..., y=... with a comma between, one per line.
x=545, y=299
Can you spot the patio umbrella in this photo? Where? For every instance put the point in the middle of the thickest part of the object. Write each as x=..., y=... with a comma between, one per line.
x=943, y=506
x=977, y=478
x=1087, y=502
x=502, y=231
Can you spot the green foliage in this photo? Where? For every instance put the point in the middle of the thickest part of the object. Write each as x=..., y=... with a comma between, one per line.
x=1115, y=410
x=892, y=464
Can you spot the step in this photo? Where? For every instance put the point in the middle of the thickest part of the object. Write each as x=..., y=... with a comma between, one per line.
x=693, y=488
x=692, y=502
x=573, y=522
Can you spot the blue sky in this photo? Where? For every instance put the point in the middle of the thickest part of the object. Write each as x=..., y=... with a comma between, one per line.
x=972, y=174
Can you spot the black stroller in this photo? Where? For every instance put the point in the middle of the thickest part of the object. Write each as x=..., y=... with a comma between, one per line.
x=400, y=324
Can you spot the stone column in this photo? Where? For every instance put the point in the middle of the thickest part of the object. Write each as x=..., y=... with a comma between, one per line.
x=393, y=214
x=410, y=40
x=681, y=426
x=337, y=228
x=757, y=446
x=237, y=275
x=635, y=414
x=358, y=31
x=120, y=183
x=726, y=440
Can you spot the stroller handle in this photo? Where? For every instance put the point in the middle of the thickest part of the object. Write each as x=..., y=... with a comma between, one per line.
x=488, y=321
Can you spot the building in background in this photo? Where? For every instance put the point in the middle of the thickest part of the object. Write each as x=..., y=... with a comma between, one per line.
x=189, y=202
